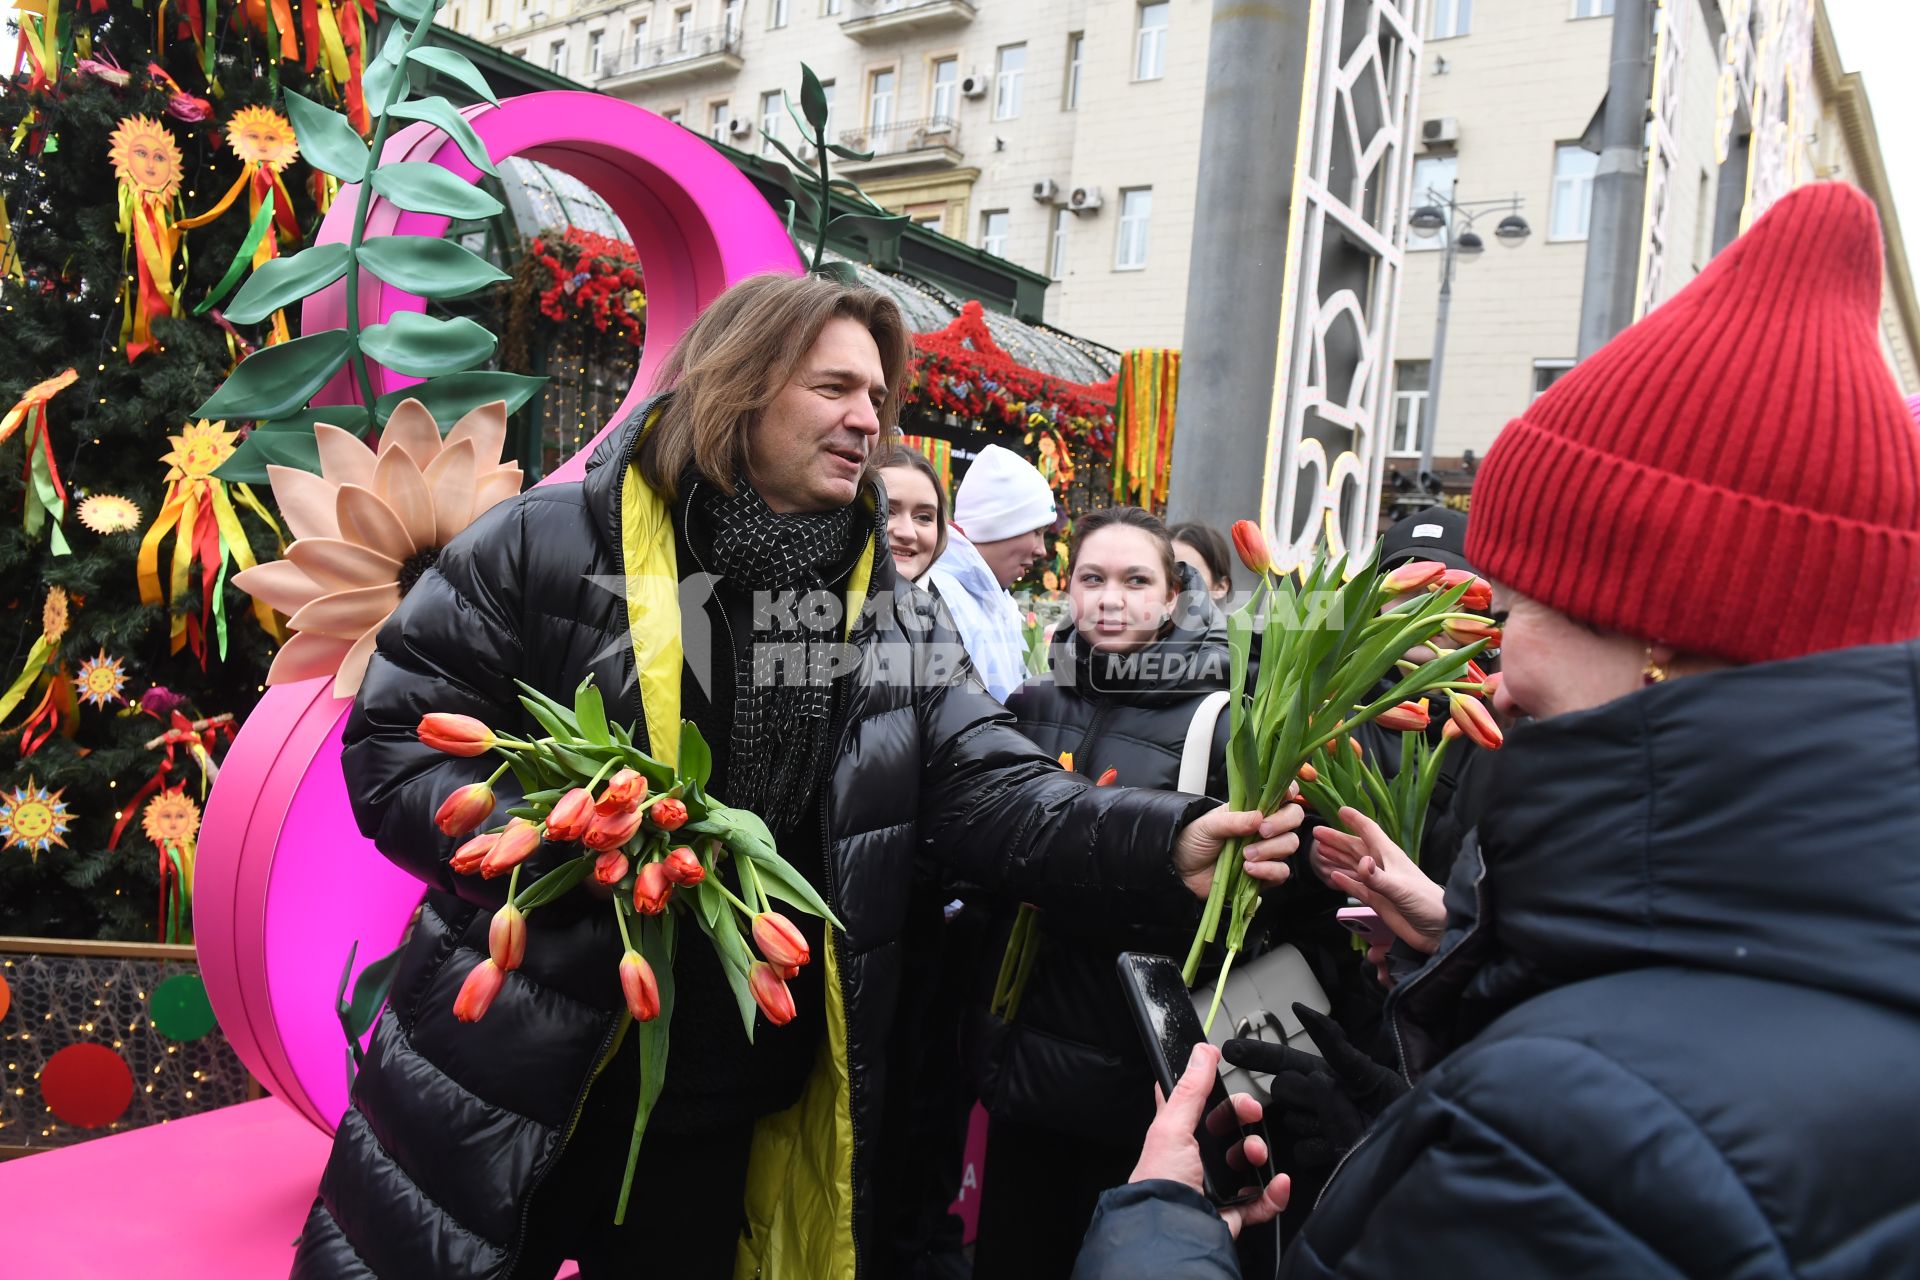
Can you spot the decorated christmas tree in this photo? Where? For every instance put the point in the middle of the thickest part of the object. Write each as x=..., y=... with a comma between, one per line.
x=149, y=167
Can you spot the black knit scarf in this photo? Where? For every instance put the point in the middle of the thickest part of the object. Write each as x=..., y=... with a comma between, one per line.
x=782, y=709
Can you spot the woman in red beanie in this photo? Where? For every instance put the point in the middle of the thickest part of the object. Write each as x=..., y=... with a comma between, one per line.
x=1672, y=1010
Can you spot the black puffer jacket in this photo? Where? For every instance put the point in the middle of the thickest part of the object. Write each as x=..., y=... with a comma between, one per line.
x=1681, y=991
x=452, y=1126
x=1071, y=1060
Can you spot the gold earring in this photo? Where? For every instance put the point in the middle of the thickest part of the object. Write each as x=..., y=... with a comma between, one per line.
x=1653, y=673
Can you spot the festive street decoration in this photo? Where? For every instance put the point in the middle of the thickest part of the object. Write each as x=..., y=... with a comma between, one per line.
x=264, y=142
x=172, y=822
x=33, y=818
x=367, y=527
x=45, y=493
x=332, y=40
x=53, y=625
x=938, y=452
x=200, y=512
x=961, y=370
x=87, y=1085
x=109, y=513
x=195, y=737
x=101, y=680
x=180, y=1009
x=147, y=161
x=1143, y=438
x=596, y=277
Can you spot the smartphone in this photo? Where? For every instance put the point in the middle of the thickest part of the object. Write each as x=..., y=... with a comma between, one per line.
x=1365, y=922
x=1169, y=1027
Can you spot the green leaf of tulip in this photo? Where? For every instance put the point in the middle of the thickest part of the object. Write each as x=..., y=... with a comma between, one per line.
x=556, y=882
x=443, y=116
x=590, y=712
x=455, y=66
x=418, y=187
x=423, y=347
x=327, y=141
x=276, y=381
x=696, y=758
x=427, y=265
x=282, y=281
x=450, y=398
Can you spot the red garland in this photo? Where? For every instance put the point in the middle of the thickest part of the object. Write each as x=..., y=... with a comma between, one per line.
x=962, y=370
x=593, y=275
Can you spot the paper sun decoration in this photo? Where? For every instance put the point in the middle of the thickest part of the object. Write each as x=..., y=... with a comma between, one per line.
x=107, y=513
x=171, y=816
x=368, y=526
x=32, y=818
x=101, y=680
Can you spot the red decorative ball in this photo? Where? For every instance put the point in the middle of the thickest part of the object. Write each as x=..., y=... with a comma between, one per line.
x=87, y=1085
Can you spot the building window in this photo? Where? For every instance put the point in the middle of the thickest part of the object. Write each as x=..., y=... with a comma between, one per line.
x=557, y=57
x=1076, y=58
x=719, y=116
x=1573, y=169
x=830, y=8
x=457, y=24
x=1409, y=407
x=993, y=232
x=1432, y=185
x=1592, y=8
x=595, y=53
x=1136, y=208
x=1009, y=70
x=777, y=13
x=639, y=42
x=1451, y=18
x=1150, y=42
x=771, y=109
x=682, y=28
x=730, y=17
x=946, y=84
x=1546, y=373
x=879, y=100
x=1057, y=251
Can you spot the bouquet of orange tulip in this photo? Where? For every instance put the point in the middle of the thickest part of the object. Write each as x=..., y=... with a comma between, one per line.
x=653, y=840
x=1334, y=630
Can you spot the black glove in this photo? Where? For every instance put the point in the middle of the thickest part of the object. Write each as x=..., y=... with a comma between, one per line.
x=1324, y=1104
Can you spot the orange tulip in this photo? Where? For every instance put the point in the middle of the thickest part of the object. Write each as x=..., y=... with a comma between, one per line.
x=464, y=809
x=1108, y=778
x=669, y=814
x=569, y=818
x=1412, y=576
x=455, y=735
x=640, y=987
x=1450, y=730
x=1467, y=630
x=651, y=889
x=780, y=941
x=516, y=843
x=1309, y=774
x=483, y=983
x=1252, y=546
x=469, y=856
x=624, y=790
x=682, y=866
x=507, y=937
x=770, y=993
x=612, y=830
x=610, y=867
x=1475, y=721
x=1408, y=717
x=1479, y=594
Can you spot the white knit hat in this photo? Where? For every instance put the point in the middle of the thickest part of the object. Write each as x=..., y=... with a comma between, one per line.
x=1001, y=496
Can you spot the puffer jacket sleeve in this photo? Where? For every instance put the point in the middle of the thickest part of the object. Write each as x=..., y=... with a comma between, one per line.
x=1153, y=1230
x=1603, y=1175
x=451, y=646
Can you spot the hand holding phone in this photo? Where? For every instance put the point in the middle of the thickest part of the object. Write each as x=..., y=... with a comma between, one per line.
x=1170, y=1029
x=1366, y=922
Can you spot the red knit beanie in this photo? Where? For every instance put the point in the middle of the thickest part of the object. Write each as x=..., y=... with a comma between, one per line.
x=1736, y=475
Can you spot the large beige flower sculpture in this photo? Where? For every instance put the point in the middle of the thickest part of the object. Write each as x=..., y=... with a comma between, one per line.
x=367, y=527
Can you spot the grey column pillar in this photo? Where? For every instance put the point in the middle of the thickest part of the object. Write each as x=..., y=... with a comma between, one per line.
x=1620, y=184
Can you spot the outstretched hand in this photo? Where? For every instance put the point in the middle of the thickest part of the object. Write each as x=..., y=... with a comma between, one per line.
x=1171, y=1151
x=1369, y=866
x=1325, y=1103
x=1270, y=840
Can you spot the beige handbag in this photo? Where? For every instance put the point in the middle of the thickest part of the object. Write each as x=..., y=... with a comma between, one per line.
x=1261, y=990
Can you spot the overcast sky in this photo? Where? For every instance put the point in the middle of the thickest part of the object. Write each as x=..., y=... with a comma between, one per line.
x=1877, y=38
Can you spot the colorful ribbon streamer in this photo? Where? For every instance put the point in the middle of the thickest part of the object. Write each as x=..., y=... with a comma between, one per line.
x=1143, y=438
x=196, y=738
x=148, y=162
x=46, y=493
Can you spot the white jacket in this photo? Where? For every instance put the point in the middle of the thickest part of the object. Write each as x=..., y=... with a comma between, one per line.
x=988, y=619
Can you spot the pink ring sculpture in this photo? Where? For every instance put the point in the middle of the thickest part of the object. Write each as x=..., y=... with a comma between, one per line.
x=285, y=882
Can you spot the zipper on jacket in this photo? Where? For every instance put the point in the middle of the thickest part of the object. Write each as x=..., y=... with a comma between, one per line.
x=566, y=1135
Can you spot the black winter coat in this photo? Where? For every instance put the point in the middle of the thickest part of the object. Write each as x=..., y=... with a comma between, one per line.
x=1681, y=991
x=453, y=1126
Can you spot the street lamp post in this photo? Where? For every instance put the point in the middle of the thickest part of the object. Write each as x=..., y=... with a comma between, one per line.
x=1455, y=218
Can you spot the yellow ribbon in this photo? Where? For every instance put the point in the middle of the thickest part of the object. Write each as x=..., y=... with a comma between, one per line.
x=37, y=656
x=235, y=542
x=179, y=513
x=9, y=254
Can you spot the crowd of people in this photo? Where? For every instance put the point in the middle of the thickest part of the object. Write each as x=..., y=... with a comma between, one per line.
x=1641, y=1003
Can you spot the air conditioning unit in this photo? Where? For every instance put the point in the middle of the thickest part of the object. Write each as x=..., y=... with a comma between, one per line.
x=1045, y=190
x=1440, y=131
x=740, y=128
x=1084, y=199
x=974, y=86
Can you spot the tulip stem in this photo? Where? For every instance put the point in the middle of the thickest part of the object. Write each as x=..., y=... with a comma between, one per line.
x=620, y=918
x=497, y=774
x=727, y=893
x=750, y=881
x=513, y=882
x=595, y=780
